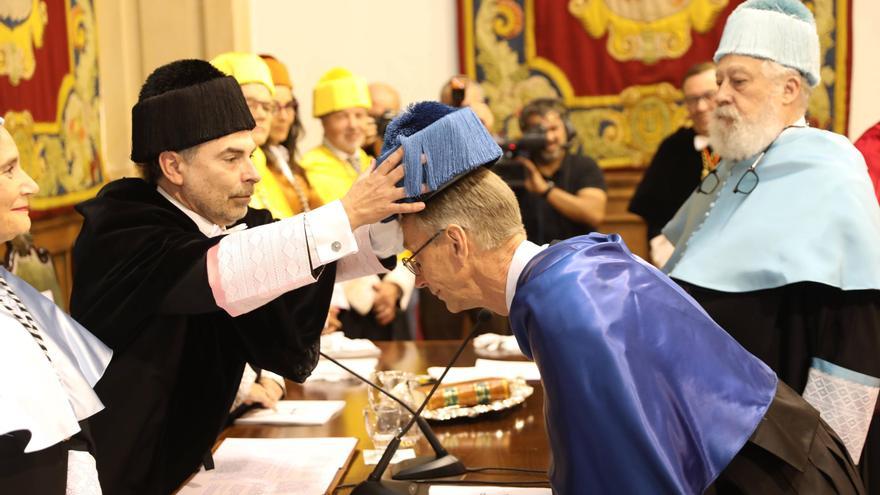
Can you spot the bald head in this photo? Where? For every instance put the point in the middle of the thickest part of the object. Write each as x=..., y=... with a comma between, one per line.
x=473, y=92
x=385, y=99
x=473, y=98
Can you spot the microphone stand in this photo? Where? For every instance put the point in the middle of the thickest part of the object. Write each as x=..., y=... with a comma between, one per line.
x=373, y=484
x=443, y=465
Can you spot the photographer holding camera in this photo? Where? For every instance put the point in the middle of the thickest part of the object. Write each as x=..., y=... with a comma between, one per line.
x=386, y=106
x=563, y=192
x=462, y=91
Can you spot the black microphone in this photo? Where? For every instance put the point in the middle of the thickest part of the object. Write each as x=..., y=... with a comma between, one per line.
x=444, y=464
x=373, y=485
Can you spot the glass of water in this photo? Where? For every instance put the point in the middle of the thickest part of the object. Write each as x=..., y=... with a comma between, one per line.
x=384, y=418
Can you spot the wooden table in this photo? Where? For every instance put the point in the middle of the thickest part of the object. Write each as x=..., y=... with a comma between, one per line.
x=512, y=438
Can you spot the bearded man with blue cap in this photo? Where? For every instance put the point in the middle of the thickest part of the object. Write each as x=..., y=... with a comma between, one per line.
x=644, y=393
x=779, y=244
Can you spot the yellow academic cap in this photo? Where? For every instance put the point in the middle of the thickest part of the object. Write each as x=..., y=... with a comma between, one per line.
x=339, y=89
x=246, y=68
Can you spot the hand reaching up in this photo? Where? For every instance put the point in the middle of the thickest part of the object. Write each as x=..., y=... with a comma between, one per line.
x=374, y=196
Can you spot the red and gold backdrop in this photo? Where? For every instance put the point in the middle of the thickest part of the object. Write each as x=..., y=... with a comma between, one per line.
x=50, y=98
x=618, y=64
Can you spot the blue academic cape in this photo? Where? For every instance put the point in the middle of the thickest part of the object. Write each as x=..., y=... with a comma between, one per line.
x=813, y=217
x=644, y=393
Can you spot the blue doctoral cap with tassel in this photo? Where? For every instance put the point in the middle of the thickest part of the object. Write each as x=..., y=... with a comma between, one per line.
x=440, y=145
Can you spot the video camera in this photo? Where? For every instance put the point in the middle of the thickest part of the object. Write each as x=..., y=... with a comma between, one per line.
x=528, y=145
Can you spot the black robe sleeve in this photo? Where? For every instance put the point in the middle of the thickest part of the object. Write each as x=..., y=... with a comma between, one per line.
x=673, y=175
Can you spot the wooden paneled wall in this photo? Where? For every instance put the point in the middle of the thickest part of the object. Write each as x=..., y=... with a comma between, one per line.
x=57, y=235
x=133, y=40
x=622, y=183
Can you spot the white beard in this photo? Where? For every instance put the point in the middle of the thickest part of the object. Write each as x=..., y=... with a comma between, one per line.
x=736, y=138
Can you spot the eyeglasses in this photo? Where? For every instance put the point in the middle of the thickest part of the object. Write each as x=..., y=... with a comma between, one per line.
x=266, y=106
x=749, y=180
x=745, y=185
x=289, y=107
x=693, y=100
x=710, y=164
x=410, y=263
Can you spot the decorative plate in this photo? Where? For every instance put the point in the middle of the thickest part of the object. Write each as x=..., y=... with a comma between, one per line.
x=519, y=392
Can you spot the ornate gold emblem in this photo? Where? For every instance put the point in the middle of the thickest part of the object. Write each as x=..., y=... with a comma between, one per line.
x=22, y=25
x=507, y=83
x=64, y=156
x=625, y=128
x=646, y=30
x=819, y=109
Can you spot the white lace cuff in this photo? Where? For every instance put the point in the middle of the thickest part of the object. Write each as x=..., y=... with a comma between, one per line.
x=82, y=474
x=846, y=401
x=250, y=268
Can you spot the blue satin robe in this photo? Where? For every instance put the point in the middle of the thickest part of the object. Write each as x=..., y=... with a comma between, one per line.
x=644, y=393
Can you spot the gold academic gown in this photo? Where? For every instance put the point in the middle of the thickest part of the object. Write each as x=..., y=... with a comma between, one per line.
x=268, y=194
x=329, y=176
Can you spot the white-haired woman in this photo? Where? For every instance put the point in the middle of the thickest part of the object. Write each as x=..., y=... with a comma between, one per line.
x=48, y=366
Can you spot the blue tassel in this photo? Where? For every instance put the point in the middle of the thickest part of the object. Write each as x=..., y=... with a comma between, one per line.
x=444, y=151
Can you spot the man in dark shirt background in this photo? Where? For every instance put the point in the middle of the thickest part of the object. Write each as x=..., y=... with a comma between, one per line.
x=564, y=190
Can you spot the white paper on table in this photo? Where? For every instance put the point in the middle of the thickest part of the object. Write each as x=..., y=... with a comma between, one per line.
x=257, y=466
x=524, y=369
x=328, y=371
x=294, y=412
x=489, y=368
x=486, y=490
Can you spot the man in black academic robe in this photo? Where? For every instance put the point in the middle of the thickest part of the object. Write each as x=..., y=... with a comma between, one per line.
x=185, y=302
x=680, y=162
x=674, y=173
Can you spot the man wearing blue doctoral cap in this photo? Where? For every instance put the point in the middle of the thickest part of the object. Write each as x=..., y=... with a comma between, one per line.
x=644, y=393
x=779, y=244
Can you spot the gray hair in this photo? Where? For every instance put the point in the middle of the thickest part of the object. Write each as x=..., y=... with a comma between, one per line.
x=779, y=73
x=481, y=203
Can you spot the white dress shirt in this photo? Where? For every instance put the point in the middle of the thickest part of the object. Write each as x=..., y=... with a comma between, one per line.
x=521, y=257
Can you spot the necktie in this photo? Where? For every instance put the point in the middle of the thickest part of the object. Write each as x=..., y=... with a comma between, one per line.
x=355, y=162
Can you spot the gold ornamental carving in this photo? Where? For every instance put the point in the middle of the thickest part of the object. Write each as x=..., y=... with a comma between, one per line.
x=646, y=30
